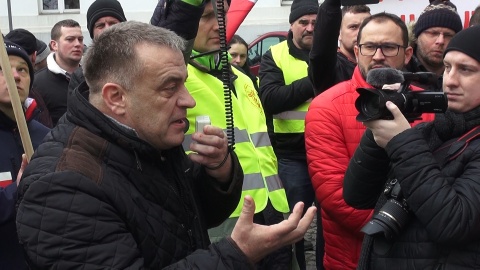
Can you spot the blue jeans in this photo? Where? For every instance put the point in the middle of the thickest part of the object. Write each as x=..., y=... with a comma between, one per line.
x=298, y=186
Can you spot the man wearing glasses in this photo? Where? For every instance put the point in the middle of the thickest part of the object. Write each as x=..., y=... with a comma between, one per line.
x=332, y=133
x=433, y=30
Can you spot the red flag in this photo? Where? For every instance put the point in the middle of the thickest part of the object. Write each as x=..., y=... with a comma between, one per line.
x=237, y=12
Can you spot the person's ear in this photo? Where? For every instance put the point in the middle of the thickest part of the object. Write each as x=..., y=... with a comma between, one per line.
x=408, y=54
x=53, y=45
x=114, y=98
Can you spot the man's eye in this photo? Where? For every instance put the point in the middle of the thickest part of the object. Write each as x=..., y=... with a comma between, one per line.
x=389, y=47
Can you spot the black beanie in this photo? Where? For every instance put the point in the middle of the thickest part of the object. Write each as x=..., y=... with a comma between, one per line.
x=103, y=8
x=24, y=38
x=302, y=7
x=14, y=49
x=438, y=15
x=466, y=41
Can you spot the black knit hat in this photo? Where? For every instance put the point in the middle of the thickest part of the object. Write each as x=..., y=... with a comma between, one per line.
x=302, y=7
x=103, y=8
x=14, y=49
x=438, y=14
x=24, y=38
x=466, y=41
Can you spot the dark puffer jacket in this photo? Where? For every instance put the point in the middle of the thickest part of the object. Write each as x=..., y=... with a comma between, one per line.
x=95, y=196
x=443, y=198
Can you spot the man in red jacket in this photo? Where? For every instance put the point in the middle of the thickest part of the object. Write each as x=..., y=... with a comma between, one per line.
x=332, y=134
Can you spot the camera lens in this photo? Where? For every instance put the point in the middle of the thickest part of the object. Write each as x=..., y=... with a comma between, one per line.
x=391, y=218
x=371, y=106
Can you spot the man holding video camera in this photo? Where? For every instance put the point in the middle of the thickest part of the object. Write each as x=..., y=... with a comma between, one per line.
x=332, y=134
x=430, y=219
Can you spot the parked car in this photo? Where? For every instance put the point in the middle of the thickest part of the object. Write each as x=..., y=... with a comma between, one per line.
x=260, y=45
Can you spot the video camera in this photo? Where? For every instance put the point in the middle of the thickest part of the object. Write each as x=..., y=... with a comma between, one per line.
x=371, y=102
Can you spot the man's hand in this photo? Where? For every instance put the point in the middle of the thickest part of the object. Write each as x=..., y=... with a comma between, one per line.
x=210, y=149
x=384, y=130
x=22, y=168
x=257, y=241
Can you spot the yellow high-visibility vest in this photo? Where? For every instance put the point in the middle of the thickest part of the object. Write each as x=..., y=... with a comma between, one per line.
x=252, y=144
x=293, y=69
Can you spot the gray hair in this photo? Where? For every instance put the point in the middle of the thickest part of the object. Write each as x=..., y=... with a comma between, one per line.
x=112, y=56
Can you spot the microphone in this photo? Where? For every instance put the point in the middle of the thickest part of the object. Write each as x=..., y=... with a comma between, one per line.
x=380, y=76
x=426, y=78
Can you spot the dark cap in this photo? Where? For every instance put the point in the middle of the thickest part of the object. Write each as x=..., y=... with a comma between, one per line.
x=14, y=49
x=42, y=51
x=438, y=14
x=466, y=41
x=24, y=39
x=103, y=8
x=302, y=7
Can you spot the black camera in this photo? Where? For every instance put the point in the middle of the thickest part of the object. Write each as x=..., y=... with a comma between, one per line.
x=393, y=215
x=371, y=102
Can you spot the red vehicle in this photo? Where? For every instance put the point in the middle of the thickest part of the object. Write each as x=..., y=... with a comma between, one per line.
x=260, y=45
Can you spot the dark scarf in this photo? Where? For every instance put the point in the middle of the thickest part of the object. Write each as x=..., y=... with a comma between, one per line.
x=450, y=125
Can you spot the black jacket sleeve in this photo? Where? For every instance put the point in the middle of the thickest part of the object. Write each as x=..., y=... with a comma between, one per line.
x=366, y=174
x=218, y=202
x=323, y=56
x=277, y=97
x=181, y=18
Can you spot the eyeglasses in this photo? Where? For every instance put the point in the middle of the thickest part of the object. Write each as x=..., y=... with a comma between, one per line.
x=435, y=34
x=388, y=50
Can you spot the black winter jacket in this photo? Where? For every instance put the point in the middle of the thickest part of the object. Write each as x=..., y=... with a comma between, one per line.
x=95, y=196
x=277, y=97
x=328, y=66
x=443, y=198
x=53, y=88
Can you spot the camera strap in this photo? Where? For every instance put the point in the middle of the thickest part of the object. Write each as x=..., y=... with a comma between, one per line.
x=452, y=149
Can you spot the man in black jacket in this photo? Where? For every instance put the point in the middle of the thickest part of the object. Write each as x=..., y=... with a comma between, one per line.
x=112, y=188
x=52, y=81
x=424, y=182
x=329, y=63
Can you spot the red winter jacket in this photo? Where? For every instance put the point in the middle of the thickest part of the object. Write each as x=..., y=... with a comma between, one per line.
x=331, y=137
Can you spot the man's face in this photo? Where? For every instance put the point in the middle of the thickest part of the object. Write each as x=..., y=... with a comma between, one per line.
x=302, y=30
x=157, y=107
x=21, y=75
x=349, y=30
x=461, y=80
x=431, y=45
x=382, y=33
x=102, y=24
x=69, y=47
x=238, y=52
x=208, y=36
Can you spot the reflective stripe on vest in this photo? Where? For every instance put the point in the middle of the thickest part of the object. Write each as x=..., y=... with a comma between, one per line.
x=252, y=144
x=293, y=69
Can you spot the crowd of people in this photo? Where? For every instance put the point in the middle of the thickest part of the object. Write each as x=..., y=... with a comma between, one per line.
x=124, y=177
